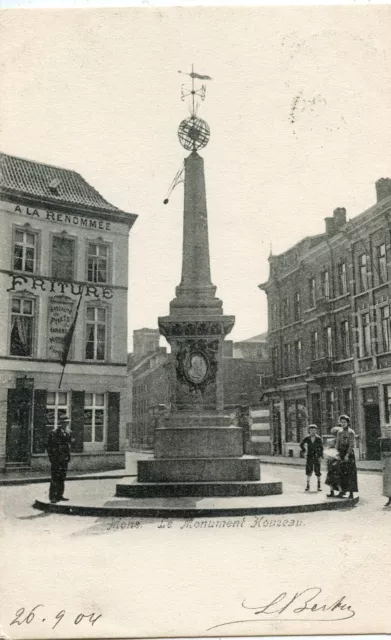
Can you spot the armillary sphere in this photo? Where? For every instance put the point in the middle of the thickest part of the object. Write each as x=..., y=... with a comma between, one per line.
x=193, y=133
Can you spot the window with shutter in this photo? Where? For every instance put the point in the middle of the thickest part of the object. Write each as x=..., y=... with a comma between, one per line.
x=113, y=421
x=77, y=421
x=40, y=428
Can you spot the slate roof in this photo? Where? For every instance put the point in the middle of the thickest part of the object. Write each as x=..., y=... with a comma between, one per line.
x=37, y=180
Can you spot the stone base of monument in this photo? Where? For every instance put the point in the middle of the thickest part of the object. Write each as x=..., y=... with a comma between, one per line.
x=96, y=499
x=135, y=489
x=198, y=454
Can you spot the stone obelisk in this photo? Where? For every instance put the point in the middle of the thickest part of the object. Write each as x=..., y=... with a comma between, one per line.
x=197, y=449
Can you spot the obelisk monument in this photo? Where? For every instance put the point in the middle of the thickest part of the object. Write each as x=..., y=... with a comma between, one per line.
x=197, y=450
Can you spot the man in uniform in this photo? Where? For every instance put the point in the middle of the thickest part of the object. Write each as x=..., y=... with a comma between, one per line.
x=59, y=452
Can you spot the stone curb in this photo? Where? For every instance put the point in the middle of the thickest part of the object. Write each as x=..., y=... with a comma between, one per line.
x=299, y=465
x=158, y=512
x=21, y=481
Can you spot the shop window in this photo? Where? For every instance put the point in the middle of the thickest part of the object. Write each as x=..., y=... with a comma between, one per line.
x=329, y=405
x=387, y=402
x=25, y=251
x=63, y=258
x=97, y=270
x=342, y=279
x=96, y=330
x=296, y=420
x=22, y=325
x=94, y=417
x=57, y=406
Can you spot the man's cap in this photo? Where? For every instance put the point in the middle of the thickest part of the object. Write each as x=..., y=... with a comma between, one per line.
x=312, y=426
x=344, y=417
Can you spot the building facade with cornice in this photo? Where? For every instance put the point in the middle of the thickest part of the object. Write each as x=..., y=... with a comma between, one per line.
x=61, y=244
x=329, y=330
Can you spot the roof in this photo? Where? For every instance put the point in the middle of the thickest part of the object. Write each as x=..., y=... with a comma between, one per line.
x=261, y=337
x=19, y=176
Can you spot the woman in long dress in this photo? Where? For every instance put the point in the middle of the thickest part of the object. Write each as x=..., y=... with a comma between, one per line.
x=345, y=447
x=333, y=479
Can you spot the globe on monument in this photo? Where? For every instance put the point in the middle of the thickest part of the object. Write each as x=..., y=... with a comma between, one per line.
x=193, y=133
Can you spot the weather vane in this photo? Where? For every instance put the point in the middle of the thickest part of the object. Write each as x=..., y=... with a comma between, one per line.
x=194, y=92
x=193, y=132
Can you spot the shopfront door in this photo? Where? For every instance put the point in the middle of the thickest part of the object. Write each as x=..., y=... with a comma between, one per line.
x=19, y=405
x=372, y=431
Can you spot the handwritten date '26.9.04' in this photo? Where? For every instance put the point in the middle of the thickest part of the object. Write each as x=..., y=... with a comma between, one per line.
x=36, y=614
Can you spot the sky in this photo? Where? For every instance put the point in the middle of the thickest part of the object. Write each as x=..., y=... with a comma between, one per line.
x=298, y=110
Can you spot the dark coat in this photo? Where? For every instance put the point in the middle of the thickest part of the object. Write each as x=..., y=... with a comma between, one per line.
x=314, y=449
x=59, y=446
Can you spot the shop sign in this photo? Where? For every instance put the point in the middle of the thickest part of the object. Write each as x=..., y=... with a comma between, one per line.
x=60, y=319
x=64, y=218
x=59, y=287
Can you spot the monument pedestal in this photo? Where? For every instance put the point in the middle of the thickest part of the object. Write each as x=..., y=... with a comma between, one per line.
x=198, y=458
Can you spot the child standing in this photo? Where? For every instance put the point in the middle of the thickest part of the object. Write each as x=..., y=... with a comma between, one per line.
x=314, y=445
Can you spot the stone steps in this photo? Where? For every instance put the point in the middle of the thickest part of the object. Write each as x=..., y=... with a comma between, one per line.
x=135, y=489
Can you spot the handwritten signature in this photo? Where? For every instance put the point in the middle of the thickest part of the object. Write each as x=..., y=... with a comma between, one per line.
x=37, y=614
x=300, y=606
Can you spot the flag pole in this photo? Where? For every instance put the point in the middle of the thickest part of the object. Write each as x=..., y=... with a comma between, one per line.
x=68, y=338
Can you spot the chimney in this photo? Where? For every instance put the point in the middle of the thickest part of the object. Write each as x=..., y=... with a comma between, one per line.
x=330, y=226
x=339, y=217
x=383, y=188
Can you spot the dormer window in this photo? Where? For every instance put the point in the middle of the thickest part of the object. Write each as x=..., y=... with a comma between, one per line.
x=54, y=186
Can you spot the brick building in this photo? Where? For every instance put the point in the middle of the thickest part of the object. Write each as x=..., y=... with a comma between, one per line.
x=61, y=243
x=329, y=329
x=148, y=373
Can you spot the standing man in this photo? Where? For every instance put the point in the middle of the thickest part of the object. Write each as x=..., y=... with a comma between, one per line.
x=59, y=452
x=314, y=445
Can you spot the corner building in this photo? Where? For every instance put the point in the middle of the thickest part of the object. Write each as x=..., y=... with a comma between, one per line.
x=329, y=330
x=61, y=244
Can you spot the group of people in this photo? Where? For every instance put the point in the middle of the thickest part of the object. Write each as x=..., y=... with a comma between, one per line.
x=341, y=461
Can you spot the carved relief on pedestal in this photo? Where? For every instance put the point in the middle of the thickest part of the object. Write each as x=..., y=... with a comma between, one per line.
x=196, y=363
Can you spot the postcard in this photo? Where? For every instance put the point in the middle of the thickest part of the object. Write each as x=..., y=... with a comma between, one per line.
x=195, y=337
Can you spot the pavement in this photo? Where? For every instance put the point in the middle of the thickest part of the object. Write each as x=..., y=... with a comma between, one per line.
x=31, y=477
x=362, y=465
x=154, y=578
